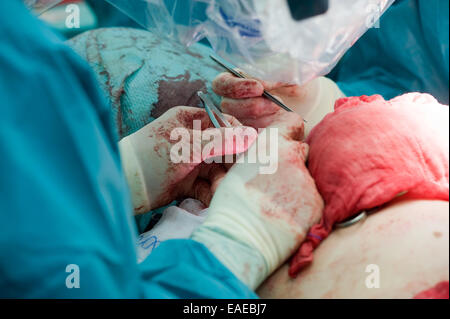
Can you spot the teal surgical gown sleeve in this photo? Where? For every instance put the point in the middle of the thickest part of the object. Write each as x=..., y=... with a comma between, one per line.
x=408, y=51
x=65, y=212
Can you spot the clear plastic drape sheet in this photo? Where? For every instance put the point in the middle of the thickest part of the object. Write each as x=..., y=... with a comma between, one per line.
x=40, y=6
x=260, y=36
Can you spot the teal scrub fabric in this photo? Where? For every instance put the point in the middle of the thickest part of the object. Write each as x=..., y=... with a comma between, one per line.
x=143, y=75
x=409, y=52
x=64, y=198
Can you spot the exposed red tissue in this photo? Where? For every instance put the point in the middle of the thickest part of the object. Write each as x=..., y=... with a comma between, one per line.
x=440, y=291
x=370, y=150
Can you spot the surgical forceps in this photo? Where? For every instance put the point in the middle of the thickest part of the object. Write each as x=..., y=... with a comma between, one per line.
x=242, y=76
x=213, y=111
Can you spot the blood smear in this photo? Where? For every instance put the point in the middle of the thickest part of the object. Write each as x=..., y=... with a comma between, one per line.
x=440, y=291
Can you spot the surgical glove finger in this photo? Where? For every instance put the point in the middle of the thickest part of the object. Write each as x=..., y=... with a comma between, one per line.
x=201, y=190
x=227, y=85
x=215, y=176
x=205, y=180
x=218, y=142
x=251, y=108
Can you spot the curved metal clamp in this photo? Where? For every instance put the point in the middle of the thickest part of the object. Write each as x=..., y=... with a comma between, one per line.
x=352, y=221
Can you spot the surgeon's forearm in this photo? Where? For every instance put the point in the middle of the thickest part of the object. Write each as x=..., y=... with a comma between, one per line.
x=236, y=234
x=251, y=253
x=135, y=177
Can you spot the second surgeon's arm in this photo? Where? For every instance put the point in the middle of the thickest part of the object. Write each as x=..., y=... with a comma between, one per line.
x=257, y=217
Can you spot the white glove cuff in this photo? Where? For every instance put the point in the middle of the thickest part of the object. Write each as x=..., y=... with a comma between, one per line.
x=135, y=176
x=321, y=97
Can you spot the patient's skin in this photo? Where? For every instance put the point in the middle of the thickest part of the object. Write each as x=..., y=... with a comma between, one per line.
x=408, y=240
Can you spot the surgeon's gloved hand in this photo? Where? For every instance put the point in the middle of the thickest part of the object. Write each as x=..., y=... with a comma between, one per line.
x=243, y=99
x=165, y=160
x=256, y=221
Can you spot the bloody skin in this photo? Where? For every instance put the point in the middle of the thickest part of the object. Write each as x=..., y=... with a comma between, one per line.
x=440, y=291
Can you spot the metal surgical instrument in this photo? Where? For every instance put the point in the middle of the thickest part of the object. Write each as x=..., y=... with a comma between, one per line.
x=240, y=75
x=213, y=111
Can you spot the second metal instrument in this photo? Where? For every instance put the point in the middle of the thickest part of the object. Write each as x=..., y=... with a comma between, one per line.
x=213, y=111
x=238, y=74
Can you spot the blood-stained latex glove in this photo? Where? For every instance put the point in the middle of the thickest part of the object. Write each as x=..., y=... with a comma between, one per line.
x=256, y=221
x=157, y=175
x=243, y=99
